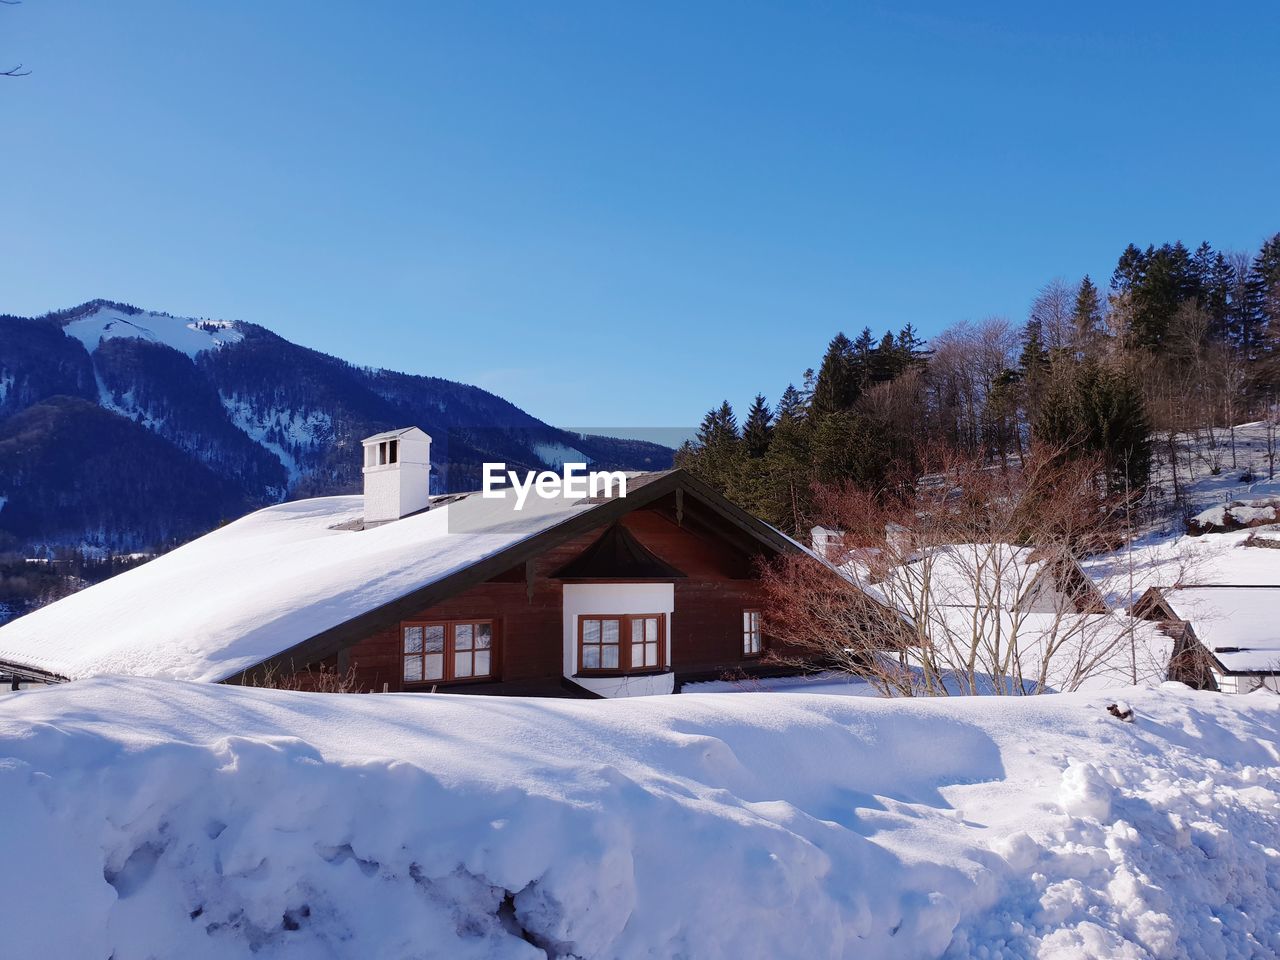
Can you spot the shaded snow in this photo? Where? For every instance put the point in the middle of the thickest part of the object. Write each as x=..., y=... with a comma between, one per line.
x=189, y=336
x=556, y=455
x=268, y=428
x=214, y=822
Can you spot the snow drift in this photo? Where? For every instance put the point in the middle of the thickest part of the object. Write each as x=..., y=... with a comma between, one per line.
x=157, y=818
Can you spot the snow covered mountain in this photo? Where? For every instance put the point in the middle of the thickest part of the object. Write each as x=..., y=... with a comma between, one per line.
x=125, y=428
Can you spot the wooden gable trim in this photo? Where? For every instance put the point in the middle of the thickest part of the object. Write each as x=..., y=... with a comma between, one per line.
x=329, y=643
x=9, y=669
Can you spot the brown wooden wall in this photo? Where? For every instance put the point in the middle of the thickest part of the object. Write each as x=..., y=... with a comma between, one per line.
x=706, y=630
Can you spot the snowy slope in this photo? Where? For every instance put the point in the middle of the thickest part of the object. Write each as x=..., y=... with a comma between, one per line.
x=212, y=822
x=188, y=336
x=243, y=593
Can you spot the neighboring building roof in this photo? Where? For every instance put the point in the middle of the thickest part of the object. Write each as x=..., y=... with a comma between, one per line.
x=1238, y=625
x=301, y=580
x=998, y=575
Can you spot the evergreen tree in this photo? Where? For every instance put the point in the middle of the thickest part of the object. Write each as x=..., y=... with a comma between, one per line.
x=1092, y=409
x=714, y=454
x=790, y=404
x=850, y=447
x=837, y=385
x=883, y=365
x=758, y=428
x=910, y=349
x=786, y=494
x=1087, y=314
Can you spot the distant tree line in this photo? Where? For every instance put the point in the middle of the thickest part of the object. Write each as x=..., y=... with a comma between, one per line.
x=1184, y=344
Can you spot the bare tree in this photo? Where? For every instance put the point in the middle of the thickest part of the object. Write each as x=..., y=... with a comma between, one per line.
x=969, y=584
x=1054, y=309
x=13, y=71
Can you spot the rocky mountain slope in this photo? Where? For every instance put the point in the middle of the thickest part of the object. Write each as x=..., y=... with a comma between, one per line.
x=127, y=429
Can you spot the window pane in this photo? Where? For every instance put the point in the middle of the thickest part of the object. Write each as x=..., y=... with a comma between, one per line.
x=484, y=635
x=637, y=631
x=462, y=664
x=412, y=639
x=610, y=661
x=609, y=633
x=746, y=621
x=435, y=638
x=412, y=669
x=435, y=666
x=651, y=627
x=462, y=636
x=591, y=658
x=482, y=663
x=590, y=631
x=637, y=655
x=652, y=654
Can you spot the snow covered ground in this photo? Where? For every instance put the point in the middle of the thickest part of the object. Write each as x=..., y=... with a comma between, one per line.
x=147, y=818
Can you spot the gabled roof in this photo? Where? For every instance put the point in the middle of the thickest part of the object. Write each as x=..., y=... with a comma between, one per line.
x=394, y=434
x=297, y=582
x=617, y=555
x=1238, y=625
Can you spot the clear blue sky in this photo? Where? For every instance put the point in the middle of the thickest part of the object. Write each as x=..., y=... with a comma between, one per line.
x=618, y=214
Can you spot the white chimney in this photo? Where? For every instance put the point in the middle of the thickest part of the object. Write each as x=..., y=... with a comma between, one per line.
x=397, y=474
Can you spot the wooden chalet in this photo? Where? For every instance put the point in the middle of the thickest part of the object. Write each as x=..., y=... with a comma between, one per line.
x=605, y=596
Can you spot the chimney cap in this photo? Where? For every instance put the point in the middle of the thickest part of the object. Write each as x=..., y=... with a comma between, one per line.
x=396, y=434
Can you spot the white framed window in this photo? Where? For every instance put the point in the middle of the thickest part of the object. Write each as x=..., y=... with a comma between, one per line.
x=752, y=639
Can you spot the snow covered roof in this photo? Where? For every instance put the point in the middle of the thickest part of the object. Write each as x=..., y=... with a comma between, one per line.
x=1239, y=625
x=996, y=575
x=276, y=578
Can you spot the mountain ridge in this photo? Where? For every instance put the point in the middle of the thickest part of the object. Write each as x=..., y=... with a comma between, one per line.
x=265, y=419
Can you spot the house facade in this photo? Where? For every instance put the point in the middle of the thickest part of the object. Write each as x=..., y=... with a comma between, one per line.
x=613, y=595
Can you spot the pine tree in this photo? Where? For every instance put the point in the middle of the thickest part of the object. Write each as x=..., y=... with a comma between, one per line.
x=1092, y=409
x=786, y=494
x=1087, y=314
x=716, y=450
x=849, y=447
x=883, y=365
x=837, y=385
x=910, y=347
x=758, y=428
x=1262, y=290
x=790, y=404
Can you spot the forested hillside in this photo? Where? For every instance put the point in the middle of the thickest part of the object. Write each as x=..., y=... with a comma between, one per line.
x=1182, y=344
x=122, y=429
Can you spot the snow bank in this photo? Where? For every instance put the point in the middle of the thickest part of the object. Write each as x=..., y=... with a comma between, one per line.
x=1234, y=515
x=156, y=818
